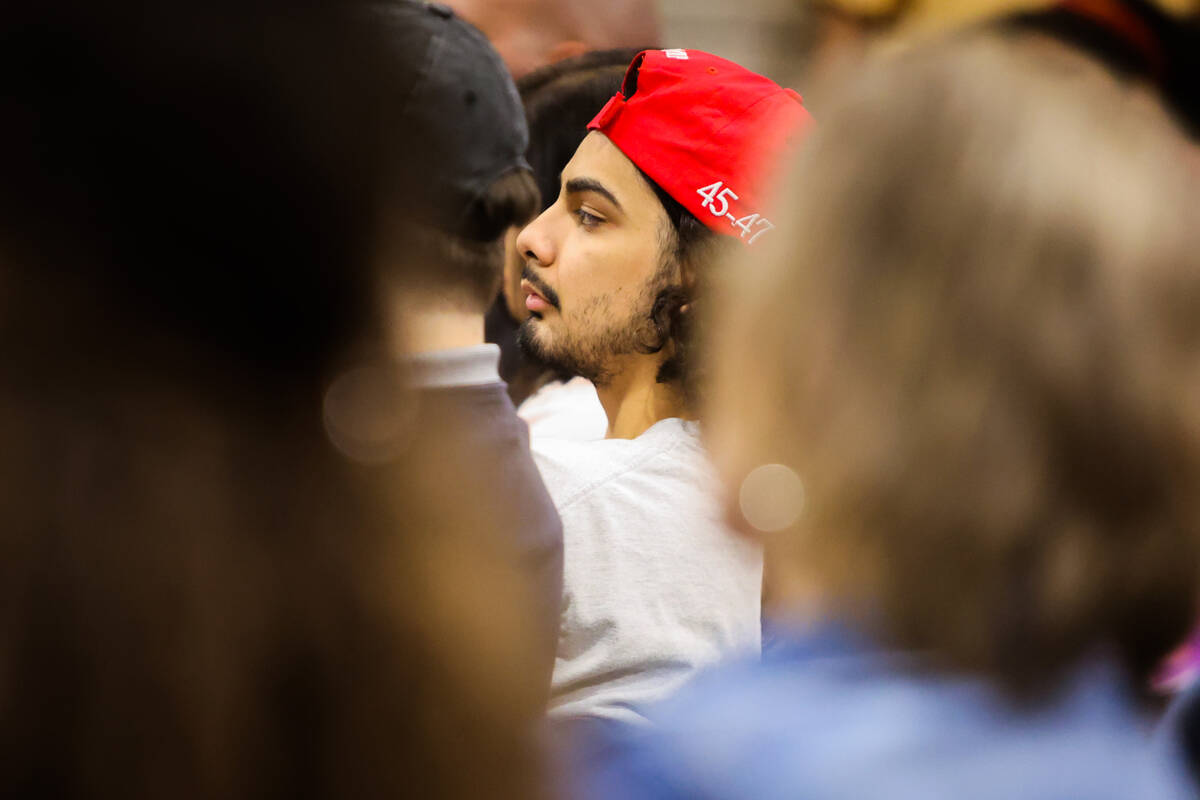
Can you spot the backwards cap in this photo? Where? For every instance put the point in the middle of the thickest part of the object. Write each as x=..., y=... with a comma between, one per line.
x=706, y=130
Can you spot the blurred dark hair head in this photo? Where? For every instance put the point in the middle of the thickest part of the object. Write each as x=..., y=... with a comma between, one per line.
x=200, y=594
x=149, y=186
x=697, y=249
x=976, y=347
x=456, y=176
x=465, y=271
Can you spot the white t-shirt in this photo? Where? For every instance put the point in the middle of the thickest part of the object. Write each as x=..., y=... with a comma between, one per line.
x=565, y=410
x=655, y=586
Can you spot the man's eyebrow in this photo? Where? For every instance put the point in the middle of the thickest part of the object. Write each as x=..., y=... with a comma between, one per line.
x=576, y=185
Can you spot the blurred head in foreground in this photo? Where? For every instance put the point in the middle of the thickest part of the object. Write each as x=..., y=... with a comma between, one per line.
x=457, y=178
x=972, y=356
x=1156, y=42
x=200, y=594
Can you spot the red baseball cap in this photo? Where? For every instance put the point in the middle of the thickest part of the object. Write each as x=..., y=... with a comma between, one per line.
x=706, y=130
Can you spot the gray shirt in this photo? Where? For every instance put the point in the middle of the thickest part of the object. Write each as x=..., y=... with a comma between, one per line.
x=484, y=474
x=655, y=586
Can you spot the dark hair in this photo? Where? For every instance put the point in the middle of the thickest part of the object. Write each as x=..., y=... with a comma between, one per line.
x=182, y=205
x=510, y=200
x=468, y=266
x=560, y=100
x=201, y=597
x=694, y=247
x=451, y=196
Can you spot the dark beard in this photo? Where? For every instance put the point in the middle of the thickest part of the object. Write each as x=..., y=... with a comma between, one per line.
x=590, y=354
x=565, y=362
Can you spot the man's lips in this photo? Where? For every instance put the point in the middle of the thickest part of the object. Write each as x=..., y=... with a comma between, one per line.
x=534, y=301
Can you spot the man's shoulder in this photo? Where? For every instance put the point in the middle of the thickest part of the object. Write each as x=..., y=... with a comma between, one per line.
x=575, y=469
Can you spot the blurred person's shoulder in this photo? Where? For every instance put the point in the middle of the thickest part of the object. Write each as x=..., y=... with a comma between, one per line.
x=667, y=453
x=828, y=715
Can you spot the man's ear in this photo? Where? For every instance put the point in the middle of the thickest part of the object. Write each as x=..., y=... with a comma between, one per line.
x=687, y=276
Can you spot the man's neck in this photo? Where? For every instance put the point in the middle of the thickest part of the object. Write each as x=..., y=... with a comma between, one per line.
x=418, y=327
x=634, y=400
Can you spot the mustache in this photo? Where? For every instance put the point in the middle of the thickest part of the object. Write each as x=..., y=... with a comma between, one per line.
x=545, y=291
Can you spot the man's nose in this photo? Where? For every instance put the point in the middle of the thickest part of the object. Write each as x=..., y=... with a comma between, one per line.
x=534, y=242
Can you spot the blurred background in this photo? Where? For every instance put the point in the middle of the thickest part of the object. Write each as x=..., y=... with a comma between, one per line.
x=211, y=585
x=754, y=34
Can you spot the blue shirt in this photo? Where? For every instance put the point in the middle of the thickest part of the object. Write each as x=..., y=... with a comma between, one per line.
x=827, y=715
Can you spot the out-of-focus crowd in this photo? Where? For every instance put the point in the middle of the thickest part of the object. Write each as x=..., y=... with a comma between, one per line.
x=496, y=399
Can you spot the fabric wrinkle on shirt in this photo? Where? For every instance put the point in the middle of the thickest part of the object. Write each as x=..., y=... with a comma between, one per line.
x=656, y=587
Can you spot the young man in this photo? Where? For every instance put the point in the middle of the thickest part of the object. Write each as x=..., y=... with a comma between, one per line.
x=560, y=100
x=655, y=585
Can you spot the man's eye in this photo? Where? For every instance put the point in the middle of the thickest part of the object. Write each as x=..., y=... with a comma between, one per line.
x=587, y=219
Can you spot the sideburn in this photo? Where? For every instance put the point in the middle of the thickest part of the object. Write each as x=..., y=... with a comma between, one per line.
x=671, y=320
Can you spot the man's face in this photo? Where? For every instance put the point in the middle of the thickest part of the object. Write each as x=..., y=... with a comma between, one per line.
x=595, y=260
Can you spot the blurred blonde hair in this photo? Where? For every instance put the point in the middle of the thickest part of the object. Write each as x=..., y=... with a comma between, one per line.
x=975, y=339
